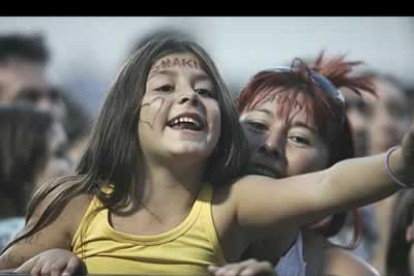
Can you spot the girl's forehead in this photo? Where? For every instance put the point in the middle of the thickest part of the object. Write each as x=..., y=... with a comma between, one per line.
x=177, y=61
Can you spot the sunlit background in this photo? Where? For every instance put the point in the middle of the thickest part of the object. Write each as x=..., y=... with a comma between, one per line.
x=86, y=52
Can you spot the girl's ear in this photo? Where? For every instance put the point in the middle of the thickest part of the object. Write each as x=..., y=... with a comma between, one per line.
x=409, y=233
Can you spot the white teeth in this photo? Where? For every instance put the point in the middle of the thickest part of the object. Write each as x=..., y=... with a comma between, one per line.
x=185, y=120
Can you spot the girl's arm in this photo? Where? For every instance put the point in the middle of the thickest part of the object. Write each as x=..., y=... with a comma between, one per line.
x=58, y=234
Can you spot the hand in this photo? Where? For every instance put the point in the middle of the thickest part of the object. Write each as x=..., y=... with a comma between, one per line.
x=53, y=262
x=249, y=267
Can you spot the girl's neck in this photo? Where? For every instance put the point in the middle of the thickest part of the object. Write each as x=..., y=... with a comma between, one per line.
x=163, y=183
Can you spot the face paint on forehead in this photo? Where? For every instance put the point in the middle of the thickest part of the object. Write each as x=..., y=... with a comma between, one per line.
x=170, y=63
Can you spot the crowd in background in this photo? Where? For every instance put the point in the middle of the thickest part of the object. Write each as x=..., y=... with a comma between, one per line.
x=43, y=129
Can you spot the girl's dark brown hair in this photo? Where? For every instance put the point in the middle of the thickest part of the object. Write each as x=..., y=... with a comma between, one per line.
x=328, y=113
x=113, y=154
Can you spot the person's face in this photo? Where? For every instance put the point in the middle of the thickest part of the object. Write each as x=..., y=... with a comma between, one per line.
x=57, y=162
x=359, y=111
x=17, y=75
x=280, y=147
x=390, y=117
x=180, y=116
x=26, y=81
x=45, y=99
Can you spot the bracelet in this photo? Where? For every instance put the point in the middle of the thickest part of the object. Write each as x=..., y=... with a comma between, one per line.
x=387, y=167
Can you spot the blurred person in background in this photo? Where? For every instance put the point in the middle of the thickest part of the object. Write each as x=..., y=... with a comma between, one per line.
x=400, y=252
x=378, y=124
x=390, y=117
x=359, y=112
x=76, y=124
x=31, y=147
x=23, y=62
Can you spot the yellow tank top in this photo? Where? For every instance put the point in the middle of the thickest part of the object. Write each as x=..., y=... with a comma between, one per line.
x=184, y=250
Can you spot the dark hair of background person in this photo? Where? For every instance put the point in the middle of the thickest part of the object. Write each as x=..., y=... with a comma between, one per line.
x=30, y=47
x=23, y=151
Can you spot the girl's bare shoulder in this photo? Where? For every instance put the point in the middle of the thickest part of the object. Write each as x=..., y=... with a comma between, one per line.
x=344, y=262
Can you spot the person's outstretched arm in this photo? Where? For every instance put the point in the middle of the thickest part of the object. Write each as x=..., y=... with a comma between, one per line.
x=263, y=204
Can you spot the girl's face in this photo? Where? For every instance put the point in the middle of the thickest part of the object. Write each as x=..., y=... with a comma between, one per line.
x=280, y=147
x=180, y=116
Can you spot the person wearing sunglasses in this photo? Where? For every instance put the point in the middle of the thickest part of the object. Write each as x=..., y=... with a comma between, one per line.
x=295, y=121
x=48, y=99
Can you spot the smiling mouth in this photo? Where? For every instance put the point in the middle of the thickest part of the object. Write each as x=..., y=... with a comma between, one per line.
x=191, y=122
x=263, y=170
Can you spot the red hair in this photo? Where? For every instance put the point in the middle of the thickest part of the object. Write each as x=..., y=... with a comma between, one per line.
x=328, y=113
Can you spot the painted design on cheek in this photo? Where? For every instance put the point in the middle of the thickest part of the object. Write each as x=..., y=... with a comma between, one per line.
x=167, y=63
x=156, y=100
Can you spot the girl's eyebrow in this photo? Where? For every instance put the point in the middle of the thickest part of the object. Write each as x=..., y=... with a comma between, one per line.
x=265, y=111
x=200, y=76
x=166, y=72
x=303, y=125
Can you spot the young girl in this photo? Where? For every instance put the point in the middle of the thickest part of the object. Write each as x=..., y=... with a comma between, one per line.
x=158, y=189
x=295, y=126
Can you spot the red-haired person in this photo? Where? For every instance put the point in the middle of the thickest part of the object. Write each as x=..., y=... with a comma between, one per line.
x=295, y=121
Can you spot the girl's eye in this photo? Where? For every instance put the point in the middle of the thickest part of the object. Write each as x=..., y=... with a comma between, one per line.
x=300, y=140
x=165, y=88
x=205, y=92
x=257, y=126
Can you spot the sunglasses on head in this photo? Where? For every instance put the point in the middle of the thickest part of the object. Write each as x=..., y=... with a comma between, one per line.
x=325, y=84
